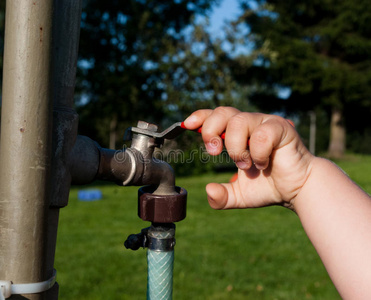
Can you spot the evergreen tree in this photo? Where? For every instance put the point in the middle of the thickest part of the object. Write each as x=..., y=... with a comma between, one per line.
x=123, y=47
x=198, y=75
x=319, y=49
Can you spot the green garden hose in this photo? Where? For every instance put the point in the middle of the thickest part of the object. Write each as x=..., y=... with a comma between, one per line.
x=160, y=258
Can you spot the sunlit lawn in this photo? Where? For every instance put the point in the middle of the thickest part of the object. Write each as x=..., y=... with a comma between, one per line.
x=236, y=254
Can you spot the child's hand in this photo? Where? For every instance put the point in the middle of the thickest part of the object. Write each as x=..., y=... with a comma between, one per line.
x=272, y=169
x=278, y=169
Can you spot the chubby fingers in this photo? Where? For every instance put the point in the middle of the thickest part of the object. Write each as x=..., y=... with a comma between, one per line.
x=266, y=133
x=214, y=123
x=274, y=132
x=239, y=129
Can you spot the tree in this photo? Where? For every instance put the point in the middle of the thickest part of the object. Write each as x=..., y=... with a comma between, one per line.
x=123, y=47
x=196, y=75
x=319, y=49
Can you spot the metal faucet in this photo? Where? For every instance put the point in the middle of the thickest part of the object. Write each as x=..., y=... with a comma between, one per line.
x=152, y=170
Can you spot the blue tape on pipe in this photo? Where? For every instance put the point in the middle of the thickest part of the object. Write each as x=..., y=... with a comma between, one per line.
x=89, y=195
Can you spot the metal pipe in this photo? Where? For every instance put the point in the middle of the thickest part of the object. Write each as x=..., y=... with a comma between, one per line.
x=126, y=167
x=25, y=150
x=84, y=161
x=65, y=43
x=132, y=166
x=66, y=35
x=116, y=166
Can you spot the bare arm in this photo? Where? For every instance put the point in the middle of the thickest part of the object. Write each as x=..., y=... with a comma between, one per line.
x=336, y=215
x=278, y=169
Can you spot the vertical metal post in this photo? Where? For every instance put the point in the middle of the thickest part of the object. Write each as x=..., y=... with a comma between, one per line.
x=66, y=34
x=25, y=150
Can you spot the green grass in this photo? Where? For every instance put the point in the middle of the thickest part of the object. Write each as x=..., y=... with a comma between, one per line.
x=358, y=167
x=236, y=254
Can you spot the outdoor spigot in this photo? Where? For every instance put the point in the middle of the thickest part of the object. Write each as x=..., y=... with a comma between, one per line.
x=131, y=166
x=144, y=143
x=144, y=168
x=164, y=203
x=161, y=204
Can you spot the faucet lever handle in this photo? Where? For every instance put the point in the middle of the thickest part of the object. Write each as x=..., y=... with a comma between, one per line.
x=170, y=133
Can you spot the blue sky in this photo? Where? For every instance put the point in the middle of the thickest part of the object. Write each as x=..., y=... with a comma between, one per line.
x=227, y=10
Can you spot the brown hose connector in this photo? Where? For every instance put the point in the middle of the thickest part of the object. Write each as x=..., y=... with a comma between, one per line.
x=161, y=208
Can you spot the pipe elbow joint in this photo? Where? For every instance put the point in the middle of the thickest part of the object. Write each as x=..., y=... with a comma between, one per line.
x=161, y=174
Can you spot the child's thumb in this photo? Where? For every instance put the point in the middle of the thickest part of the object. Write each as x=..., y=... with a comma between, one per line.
x=217, y=195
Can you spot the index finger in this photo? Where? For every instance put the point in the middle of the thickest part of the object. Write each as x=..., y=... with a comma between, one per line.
x=197, y=118
x=214, y=123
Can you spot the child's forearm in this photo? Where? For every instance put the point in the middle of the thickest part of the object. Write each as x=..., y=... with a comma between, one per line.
x=336, y=214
